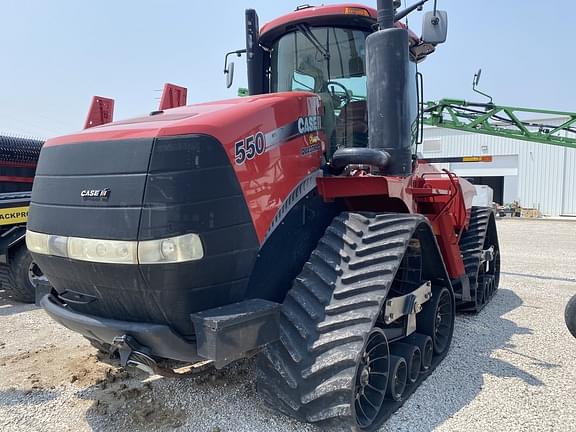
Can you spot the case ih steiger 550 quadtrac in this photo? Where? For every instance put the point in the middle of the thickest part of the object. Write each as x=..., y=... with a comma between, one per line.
x=296, y=224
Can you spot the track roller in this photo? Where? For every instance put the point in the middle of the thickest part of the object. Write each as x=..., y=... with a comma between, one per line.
x=398, y=378
x=426, y=348
x=413, y=357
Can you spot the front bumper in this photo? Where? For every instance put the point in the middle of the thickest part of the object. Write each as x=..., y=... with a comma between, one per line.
x=160, y=340
x=223, y=334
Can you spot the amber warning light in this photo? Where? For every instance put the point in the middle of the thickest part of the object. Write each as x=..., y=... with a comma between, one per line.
x=357, y=11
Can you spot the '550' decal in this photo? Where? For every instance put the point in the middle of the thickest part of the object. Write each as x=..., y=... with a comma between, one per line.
x=249, y=148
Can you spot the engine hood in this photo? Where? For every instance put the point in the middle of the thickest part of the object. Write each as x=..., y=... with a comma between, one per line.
x=210, y=118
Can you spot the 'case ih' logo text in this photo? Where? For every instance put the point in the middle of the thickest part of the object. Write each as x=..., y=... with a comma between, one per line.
x=309, y=124
x=95, y=193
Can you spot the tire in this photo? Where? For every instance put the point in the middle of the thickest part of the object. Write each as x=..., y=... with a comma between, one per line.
x=328, y=320
x=20, y=276
x=570, y=316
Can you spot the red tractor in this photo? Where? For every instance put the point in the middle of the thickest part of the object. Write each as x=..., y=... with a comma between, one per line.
x=297, y=224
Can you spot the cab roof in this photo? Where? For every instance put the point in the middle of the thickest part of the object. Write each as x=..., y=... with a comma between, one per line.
x=347, y=14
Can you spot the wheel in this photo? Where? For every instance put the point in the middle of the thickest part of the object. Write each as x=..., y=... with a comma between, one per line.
x=570, y=316
x=345, y=99
x=371, y=378
x=413, y=357
x=331, y=362
x=23, y=276
x=437, y=320
x=398, y=378
x=426, y=346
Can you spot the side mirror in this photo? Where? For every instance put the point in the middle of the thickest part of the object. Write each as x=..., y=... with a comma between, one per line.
x=435, y=27
x=229, y=75
x=477, y=77
x=229, y=67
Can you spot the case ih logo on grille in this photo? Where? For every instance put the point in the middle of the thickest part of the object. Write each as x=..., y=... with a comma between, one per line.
x=95, y=194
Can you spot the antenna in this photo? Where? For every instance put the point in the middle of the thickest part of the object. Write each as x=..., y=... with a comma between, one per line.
x=475, y=84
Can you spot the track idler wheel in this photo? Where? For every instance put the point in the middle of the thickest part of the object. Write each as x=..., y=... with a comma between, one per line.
x=426, y=348
x=437, y=320
x=372, y=376
x=413, y=357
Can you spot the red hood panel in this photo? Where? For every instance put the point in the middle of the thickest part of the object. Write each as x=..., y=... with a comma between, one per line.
x=207, y=118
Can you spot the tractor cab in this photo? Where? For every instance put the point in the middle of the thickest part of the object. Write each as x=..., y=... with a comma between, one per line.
x=323, y=50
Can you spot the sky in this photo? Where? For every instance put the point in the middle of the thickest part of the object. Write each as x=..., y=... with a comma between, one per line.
x=55, y=55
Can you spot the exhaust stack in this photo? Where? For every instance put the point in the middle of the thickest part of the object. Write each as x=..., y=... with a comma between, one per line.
x=387, y=63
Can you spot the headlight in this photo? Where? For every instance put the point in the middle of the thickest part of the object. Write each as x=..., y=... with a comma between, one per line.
x=37, y=242
x=103, y=251
x=171, y=250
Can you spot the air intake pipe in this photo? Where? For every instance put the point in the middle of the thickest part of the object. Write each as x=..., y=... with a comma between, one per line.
x=387, y=64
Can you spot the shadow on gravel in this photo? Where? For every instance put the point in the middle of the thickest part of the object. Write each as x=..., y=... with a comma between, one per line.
x=10, y=307
x=460, y=378
x=26, y=397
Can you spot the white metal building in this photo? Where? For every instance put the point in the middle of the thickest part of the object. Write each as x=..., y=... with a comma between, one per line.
x=536, y=175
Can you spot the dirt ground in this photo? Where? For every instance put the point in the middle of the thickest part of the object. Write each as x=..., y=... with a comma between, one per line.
x=510, y=368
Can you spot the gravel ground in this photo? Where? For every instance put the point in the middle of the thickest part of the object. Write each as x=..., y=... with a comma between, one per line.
x=510, y=368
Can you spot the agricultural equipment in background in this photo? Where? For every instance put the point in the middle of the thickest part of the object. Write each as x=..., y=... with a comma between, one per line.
x=502, y=121
x=19, y=275
x=296, y=224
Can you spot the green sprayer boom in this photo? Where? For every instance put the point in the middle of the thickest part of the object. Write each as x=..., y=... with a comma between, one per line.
x=502, y=121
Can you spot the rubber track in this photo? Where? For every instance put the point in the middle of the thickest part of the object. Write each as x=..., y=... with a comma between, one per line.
x=329, y=312
x=471, y=247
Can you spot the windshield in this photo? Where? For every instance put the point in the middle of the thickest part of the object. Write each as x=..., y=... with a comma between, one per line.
x=312, y=57
x=331, y=62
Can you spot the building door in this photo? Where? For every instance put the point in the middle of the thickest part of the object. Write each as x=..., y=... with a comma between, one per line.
x=496, y=183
